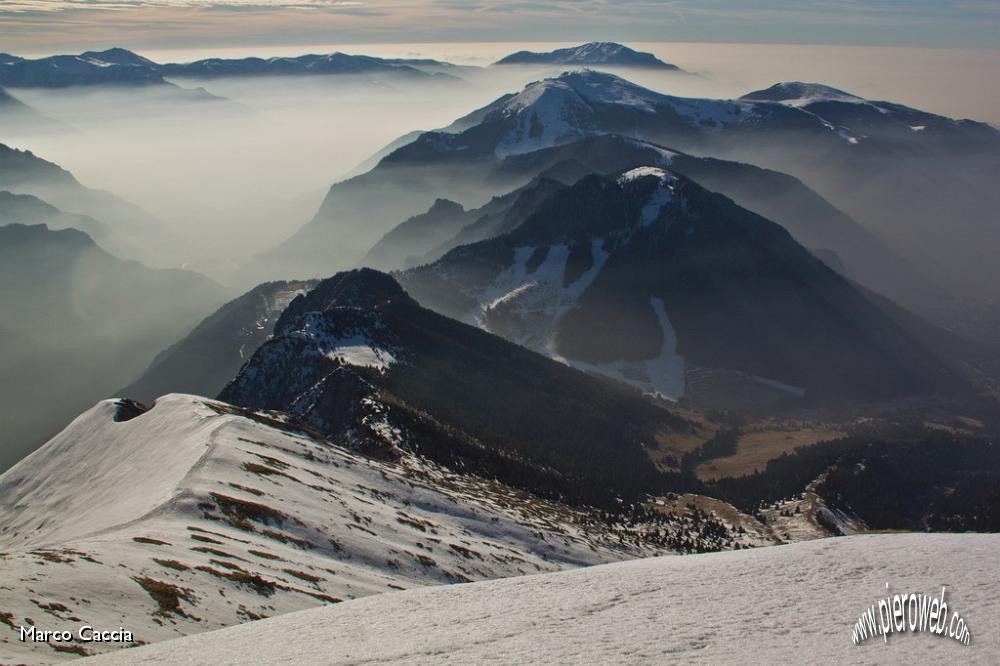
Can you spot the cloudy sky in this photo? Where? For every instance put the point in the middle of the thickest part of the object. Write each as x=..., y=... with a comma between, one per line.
x=47, y=26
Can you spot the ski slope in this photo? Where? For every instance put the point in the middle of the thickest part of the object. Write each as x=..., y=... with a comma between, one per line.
x=788, y=604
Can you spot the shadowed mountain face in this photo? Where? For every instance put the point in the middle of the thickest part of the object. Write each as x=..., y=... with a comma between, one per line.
x=648, y=275
x=19, y=118
x=28, y=210
x=419, y=234
x=357, y=350
x=812, y=220
x=122, y=227
x=79, y=323
x=607, y=54
x=872, y=160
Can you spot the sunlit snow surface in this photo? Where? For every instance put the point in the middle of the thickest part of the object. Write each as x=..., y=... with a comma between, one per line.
x=781, y=605
x=246, y=517
x=555, y=110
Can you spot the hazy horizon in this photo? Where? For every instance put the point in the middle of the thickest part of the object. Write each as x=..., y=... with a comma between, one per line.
x=67, y=24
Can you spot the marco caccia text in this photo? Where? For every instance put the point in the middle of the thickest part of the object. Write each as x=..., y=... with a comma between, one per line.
x=85, y=634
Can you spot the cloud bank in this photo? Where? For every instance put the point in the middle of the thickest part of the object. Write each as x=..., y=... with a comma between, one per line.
x=41, y=26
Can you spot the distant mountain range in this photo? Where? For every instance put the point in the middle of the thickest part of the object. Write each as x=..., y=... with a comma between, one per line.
x=112, y=67
x=310, y=65
x=29, y=210
x=120, y=226
x=812, y=220
x=592, y=54
x=867, y=159
x=121, y=67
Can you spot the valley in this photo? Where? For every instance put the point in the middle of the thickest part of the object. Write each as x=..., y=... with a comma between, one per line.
x=562, y=355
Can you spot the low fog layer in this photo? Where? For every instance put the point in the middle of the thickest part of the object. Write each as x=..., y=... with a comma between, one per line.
x=953, y=82
x=234, y=168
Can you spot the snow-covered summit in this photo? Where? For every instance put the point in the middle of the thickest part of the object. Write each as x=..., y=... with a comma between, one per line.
x=645, y=172
x=117, y=56
x=796, y=93
x=609, y=54
x=584, y=102
x=588, y=86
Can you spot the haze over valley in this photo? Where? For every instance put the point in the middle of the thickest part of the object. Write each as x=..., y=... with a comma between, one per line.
x=289, y=325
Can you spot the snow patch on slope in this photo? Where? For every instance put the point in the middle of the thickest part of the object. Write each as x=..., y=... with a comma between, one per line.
x=356, y=348
x=535, y=301
x=546, y=113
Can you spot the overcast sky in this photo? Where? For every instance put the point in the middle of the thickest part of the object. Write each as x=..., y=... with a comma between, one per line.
x=48, y=26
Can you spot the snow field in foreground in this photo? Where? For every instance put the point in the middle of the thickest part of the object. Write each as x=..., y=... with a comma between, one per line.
x=777, y=605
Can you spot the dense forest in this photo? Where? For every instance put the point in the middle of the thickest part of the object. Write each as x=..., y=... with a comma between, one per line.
x=901, y=476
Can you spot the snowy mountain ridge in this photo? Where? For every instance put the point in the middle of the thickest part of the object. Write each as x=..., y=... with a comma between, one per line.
x=555, y=110
x=193, y=515
x=582, y=102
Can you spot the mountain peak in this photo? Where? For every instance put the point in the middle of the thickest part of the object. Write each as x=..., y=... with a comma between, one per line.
x=443, y=206
x=363, y=288
x=799, y=93
x=609, y=54
x=27, y=235
x=117, y=56
x=555, y=109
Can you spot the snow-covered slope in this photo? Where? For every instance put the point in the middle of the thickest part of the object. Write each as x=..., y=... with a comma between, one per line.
x=584, y=102
x=196, y=515
x=782, y=605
